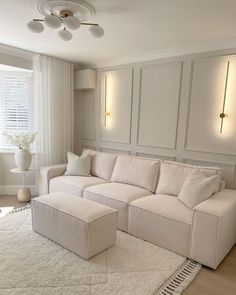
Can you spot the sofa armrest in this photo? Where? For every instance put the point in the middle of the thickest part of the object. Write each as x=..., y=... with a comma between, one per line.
x=214, y=228
x=46, y=174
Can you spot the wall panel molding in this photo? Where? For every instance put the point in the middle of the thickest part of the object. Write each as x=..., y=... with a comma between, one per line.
x=87, y=116
x=155, y=156
x=158, y=104
x=91, y=142
x=116, y=99
x=88, y=147
x=191, y=136
x=116, y=151
x=155, y=151
x=205, y=99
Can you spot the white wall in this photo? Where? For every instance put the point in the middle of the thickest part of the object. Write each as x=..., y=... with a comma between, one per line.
x=166, y=108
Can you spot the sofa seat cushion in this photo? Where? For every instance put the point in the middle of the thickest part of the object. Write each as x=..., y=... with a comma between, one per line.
x=162, y=220
x=117, y=196
x=166, y=206
x=73, y=184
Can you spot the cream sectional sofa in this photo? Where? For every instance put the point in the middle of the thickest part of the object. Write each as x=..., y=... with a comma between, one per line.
x=144, y=191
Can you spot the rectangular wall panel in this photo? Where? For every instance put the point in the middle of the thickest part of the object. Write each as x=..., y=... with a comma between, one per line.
x=88, y=147
x=88, y=115
x=116, y=99
x=116, y=151
x=159, y=103
x=206, y=102
x=160, y=157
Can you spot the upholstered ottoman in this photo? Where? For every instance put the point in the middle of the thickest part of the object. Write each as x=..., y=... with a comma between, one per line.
x=82, y=226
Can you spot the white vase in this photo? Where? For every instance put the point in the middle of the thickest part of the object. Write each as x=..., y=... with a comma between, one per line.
x=23, y=159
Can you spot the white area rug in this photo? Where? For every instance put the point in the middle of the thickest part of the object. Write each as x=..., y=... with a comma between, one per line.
x=33, y=265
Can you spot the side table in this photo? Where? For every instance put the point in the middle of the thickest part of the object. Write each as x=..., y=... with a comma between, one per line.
x=24, y=193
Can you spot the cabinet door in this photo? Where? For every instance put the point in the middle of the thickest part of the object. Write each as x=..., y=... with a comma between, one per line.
x=116, y=101
x=206, y=98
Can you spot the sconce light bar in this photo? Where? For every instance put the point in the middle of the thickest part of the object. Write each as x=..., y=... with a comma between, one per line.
x=105, y=101
x=222, y=114
x=106, y=112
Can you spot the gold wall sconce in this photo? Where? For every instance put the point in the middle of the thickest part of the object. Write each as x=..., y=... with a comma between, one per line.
x=106, y=113
x=223, y=115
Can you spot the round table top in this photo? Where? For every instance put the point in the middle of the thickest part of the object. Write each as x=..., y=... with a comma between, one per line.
x=17, y=170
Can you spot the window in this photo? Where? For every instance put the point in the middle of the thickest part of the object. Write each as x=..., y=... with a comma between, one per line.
x=16, y=102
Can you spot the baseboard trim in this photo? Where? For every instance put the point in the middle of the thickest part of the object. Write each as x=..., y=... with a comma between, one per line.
x=13, y=189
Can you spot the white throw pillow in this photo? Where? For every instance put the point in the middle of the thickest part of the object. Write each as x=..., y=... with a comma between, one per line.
x=79, y=166
x=173, y=175
x=197, y=188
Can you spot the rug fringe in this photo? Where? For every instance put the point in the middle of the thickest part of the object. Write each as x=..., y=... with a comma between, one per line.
x=181, y=279
x=15, y=210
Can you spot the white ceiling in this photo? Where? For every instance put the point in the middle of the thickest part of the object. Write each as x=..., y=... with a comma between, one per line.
x=134, y=30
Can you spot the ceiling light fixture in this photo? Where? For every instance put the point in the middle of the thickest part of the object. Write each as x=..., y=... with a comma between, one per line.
x=65, y=15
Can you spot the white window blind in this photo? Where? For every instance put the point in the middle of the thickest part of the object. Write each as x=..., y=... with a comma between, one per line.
x=16, y=103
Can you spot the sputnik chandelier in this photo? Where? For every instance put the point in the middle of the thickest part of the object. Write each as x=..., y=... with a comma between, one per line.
x=65, y=15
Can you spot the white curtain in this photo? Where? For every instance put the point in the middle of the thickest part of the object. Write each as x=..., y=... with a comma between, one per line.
x=53, y=109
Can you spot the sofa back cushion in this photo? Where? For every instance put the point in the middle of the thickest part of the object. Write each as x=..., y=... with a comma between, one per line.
x=173, y=175
x=136, y=171
x=102, y=164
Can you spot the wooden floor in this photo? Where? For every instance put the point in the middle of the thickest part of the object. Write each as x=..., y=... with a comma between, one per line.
x=10, y=201
x=208, y=282
x=221, y=281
